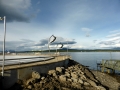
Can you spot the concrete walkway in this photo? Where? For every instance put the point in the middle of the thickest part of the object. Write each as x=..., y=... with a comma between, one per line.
x=16, y=64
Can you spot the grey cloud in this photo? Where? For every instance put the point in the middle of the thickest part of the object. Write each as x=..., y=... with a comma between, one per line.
x=24, y=44
x=27, y=40
x=42, y=42
x=13, y=14
x=64, y=42
x=57, y=41
x=23, y=48
x=9, y=45
x=107, y=43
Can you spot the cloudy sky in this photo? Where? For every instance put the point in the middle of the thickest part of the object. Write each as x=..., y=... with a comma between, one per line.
x=86, y=24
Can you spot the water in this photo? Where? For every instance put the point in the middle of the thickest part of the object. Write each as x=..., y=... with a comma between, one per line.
x=91, y=58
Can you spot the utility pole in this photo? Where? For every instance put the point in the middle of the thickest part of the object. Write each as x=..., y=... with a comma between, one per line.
x=4, y=18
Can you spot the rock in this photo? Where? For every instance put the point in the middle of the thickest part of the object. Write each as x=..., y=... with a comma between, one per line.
x=29, y=81
x=70, y=80
x=56, y=77
x=74, y=75
x=91, y=82
x=42, y=78
x=83, y=77
x=54, y=74
x=70, y=68
x=37, y=85
x=90, y=74
x=80, y=81
x=77, y=86
x=74, y=80
x=86, y=83
x=67, y=74
x=59, y=69
x=81, y=67
x=82, y=72
x=62, y=78
x=100, y=88
x=62, y=68
x=29, y=87
x=50, y=72
x=35, y=75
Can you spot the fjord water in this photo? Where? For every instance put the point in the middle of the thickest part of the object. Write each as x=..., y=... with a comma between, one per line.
x=91, y=58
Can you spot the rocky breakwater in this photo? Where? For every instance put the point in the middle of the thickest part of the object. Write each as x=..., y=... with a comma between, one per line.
x=74, y=77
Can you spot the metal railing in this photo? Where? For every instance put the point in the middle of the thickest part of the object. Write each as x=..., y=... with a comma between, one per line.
x=111, y=64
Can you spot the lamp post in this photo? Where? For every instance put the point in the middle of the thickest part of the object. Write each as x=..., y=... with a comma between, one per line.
x=49, y=42
x=59, y=47
x=67, y=47
x=4, y=18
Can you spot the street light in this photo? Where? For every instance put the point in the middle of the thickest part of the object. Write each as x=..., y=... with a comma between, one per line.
x=67, y=47
x=49, y=42
x=59, y=47
x=3, y=18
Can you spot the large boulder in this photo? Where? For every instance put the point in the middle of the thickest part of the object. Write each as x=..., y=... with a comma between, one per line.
x=60, y=69
x=35, y=75
x=50, y=72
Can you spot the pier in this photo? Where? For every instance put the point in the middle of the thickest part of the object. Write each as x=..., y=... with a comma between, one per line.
x=21, y=66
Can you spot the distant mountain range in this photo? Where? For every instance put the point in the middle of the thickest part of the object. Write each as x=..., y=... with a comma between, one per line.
x=70, y=50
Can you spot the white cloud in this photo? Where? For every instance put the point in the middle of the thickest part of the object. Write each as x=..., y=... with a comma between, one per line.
x=114, y=35
x=114, y=31
x=105, y=46
x=77, y=47
x=112, y=40
x=86, y=29
x=117, y=45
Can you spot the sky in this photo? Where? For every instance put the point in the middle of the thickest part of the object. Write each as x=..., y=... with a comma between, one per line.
x=78, y=24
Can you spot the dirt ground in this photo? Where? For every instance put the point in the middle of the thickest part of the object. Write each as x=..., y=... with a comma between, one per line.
x=109, y=80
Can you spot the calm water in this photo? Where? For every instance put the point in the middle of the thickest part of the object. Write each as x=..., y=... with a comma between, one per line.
x=91, y=58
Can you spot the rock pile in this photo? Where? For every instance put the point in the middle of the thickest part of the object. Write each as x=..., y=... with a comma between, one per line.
x=75, y=77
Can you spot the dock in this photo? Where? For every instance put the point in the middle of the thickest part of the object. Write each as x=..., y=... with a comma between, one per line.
x=109, y=65
x=21, y=66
